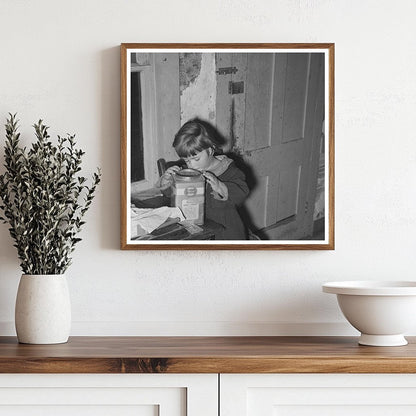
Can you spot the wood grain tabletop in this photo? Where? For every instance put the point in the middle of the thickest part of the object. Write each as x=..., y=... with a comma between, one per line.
x=231, y=354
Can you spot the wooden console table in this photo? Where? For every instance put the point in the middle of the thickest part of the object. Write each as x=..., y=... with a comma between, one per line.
x=114, y=355
x=206, y=376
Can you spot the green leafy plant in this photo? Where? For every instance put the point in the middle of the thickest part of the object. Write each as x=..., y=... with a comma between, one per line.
x=44, y=198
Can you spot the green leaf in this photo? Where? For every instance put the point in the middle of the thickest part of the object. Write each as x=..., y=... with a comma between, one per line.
x=44, y=198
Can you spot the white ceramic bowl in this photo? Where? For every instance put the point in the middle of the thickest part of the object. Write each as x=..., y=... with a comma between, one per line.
x=381, y=311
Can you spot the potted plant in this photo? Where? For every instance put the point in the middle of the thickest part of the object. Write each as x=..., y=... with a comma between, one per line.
x=44, y=199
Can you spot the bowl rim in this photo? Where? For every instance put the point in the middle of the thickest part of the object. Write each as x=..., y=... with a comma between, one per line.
x=371, y=288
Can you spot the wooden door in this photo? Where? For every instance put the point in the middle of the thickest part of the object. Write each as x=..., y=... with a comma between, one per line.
x=274, y=120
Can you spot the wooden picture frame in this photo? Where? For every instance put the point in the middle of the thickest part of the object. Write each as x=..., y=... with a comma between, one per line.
x=271, y=105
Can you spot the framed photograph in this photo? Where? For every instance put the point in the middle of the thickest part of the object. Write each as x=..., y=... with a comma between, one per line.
x=227, y=146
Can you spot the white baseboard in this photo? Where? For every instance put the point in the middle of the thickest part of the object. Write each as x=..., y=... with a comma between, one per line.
x=201, y=329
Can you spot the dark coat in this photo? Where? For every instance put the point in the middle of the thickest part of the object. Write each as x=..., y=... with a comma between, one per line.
x=225, y=212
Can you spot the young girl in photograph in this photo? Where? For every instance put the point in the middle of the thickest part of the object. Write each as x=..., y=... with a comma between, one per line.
x=227, y=187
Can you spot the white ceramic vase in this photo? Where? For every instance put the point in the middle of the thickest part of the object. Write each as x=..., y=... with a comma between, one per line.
x=43, y=309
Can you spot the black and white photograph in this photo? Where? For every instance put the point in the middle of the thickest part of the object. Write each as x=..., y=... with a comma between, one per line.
x=227, y=146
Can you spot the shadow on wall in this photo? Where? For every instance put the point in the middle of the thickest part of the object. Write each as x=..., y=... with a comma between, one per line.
x=109, y=130
x=270, y=317
x=9, y=279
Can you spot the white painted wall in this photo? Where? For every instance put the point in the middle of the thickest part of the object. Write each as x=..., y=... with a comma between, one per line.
x=60, y=61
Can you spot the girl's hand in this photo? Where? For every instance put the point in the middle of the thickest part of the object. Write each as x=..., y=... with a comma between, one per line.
x=220, y=190
x=166, y=180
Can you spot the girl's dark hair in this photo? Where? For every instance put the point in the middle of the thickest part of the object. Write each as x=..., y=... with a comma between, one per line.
x=193, y=137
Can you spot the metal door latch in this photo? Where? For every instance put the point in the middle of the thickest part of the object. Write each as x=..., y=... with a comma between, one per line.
x=236, y=87
x=227, y=70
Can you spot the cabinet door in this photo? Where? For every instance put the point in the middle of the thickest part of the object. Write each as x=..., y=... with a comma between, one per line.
x=318, y=394
x=108, y=395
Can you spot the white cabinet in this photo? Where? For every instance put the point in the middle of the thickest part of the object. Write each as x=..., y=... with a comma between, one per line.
x=197, y=394
x=317, y=394
x=109, y=394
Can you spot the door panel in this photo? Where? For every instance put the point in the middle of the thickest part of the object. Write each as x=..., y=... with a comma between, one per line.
x=295, y=100
x=258, y=99
x=288, y=192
